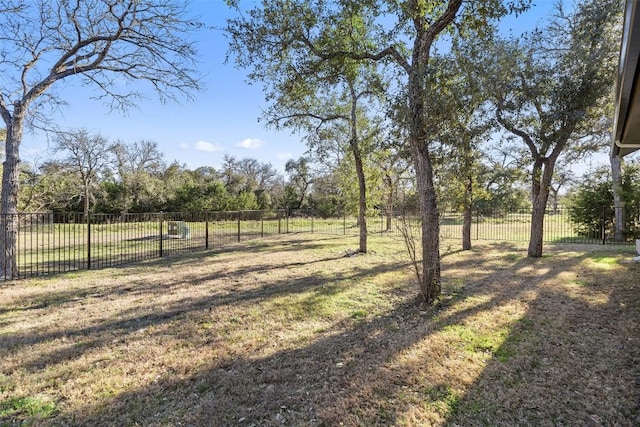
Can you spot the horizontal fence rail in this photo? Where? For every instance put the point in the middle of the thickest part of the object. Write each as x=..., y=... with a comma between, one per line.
x=50, y=243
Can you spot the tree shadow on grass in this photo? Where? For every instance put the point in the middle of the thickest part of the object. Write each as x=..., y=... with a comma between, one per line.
x=371, y=370
x=360, y=371
x=572, y=359
x=50, y=297
x=157, y=312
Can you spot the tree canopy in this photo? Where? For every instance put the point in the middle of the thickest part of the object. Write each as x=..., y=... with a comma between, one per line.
x=549, y=88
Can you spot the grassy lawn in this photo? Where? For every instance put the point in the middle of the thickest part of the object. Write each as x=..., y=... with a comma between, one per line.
x=294, y=330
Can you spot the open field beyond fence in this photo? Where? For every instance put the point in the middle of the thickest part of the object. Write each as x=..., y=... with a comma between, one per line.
x=296, y=330
x=54, y=243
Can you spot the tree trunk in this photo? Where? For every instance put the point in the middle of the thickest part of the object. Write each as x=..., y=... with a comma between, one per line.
x=430, y=283
x=85, y=204
x=467, y=164
x=430, y=278
x=618, y=202
x=362, y=203
x=389, y=203
x=541, y=181
x=418, y=88
x=537, y=227
x=9, y=196
x=357, y=157
x=467, y=212
x=389, y=210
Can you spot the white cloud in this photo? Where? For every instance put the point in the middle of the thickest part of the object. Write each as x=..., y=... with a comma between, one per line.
x=207, y=146
x=184, y=145
x=250, y=144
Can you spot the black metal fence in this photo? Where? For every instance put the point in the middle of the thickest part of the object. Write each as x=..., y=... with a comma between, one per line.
x=48, y=243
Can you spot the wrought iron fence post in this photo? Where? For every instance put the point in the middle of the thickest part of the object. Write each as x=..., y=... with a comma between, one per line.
x=89, y=242
x=206, y=230
x=238, y=226
x=160, y=234
x=279, y=221
x=262, y=223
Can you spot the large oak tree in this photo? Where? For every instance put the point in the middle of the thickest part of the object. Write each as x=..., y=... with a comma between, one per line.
x=288, y=38
x=549, y=88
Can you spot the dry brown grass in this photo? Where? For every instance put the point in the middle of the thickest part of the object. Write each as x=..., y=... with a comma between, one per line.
x=290, y=331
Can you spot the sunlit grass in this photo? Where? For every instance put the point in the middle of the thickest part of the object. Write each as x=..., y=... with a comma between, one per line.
x=301, y=330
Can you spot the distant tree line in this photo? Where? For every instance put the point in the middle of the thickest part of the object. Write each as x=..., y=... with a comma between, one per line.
x=87, y=173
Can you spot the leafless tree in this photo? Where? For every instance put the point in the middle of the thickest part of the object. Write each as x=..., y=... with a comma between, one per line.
x=104, y=44
x=87, y=156
x=136, y=165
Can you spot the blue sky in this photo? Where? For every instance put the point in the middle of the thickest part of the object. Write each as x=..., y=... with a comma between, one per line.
x=223, y=120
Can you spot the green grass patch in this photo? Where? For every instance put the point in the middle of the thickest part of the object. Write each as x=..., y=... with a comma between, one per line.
x=511, y=257
x=605, y=260
x=444, y=399
x=27, y=409
x=584, y=283
x=359, y=314
x=475, y=341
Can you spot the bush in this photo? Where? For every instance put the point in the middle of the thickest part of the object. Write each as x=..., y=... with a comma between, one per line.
x=591, y=205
